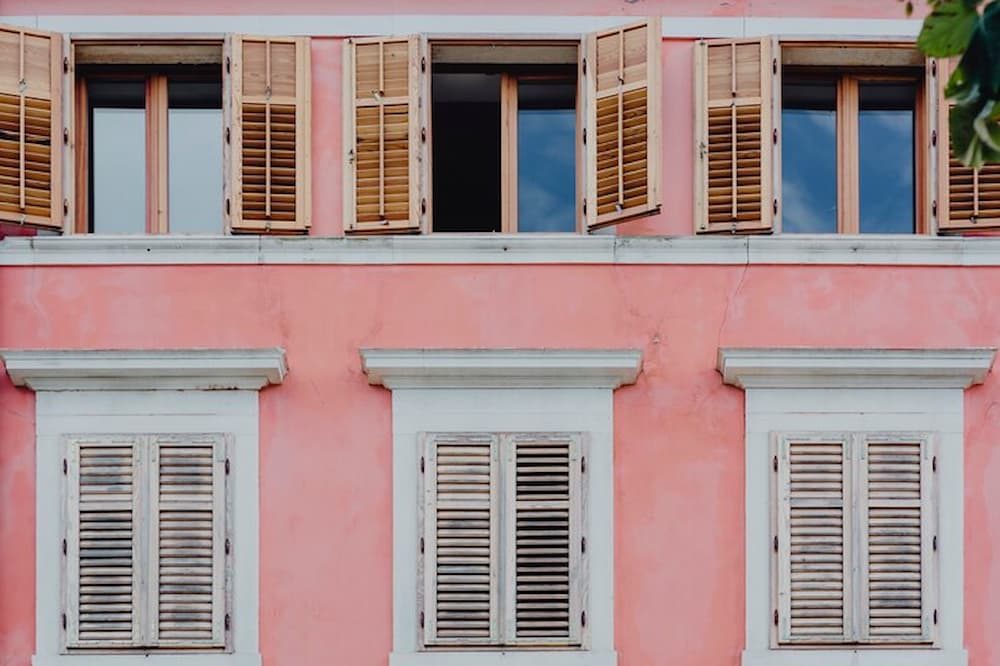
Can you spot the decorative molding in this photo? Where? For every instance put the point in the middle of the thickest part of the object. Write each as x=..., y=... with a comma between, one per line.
x=797, y=249
x=501, y=368
x=854, y=368
x=204, y=369
x=332, y=25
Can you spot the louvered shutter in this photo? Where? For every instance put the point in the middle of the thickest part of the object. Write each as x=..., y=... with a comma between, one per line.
x=623, y=115
x=543, y=539
x=187, y=540
x=896, y=536
x=104, y=605
x=969, y=199
x=269, y=133
x=382, y=135
x=31, y=127
x=813, y=528
x=460, y=539
x=734, y=184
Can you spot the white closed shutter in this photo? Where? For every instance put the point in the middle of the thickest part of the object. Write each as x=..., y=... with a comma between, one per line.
x=543, y=538
x=187, y=540
x=897, y=530
x=102, y=548
x=460, y=539
x=812, y=539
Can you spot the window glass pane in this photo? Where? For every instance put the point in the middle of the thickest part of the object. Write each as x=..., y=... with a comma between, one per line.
x=885, y=135
x=118, y=157
x=194, y=155
x=546, y=156
x=809, y=157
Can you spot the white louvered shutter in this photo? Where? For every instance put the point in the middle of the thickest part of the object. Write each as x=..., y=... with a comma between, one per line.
x=543, y=538
x=896, y=531
x=104, y=598
x=187, y=540
x=460, y=539
x=813, y=528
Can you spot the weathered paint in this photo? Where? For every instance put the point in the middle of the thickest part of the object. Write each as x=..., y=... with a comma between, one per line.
x=325, y=433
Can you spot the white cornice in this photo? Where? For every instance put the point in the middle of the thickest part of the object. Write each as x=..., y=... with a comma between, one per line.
x=92, y=250
x=501, y=368
x=204, y=369
x=829, y=368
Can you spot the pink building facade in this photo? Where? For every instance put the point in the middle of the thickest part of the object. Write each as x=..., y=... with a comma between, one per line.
x=332, y=429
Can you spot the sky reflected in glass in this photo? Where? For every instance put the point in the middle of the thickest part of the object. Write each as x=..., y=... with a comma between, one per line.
x=195, y=171
x=809, y=157
x=546, y=156
x=885, y=136
x=119, y=170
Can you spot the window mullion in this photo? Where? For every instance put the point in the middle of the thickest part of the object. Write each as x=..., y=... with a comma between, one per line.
x=156, y=154
x=847, y=155
x=508, y=152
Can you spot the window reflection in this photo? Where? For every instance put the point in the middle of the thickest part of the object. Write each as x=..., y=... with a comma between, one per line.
x=546, y=156
x=118, y=157
x=194, y=154
x=809, y=157
x=886, y=145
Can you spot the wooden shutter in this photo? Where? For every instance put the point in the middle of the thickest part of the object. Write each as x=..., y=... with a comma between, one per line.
x=460, y=539
x=734, y=81
x=31, y=127
x=622, y=70
x=382, y=135
x=812, y=539
x=968, y=199
x=104, y=605
x=187, y=540
x=269, y=132
x=896, y=536
x=543, y=539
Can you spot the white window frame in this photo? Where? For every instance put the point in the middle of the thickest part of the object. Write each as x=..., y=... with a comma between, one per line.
x=479, y=390
x=176, y=391
x=801, y=389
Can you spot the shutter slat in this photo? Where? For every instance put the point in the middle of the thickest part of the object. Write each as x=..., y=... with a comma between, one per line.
x=733, y=126
x=187, y=534
x=813, y=535
x=30, y=127
x=270, y=134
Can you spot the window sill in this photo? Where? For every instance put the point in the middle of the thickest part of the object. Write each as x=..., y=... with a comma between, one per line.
x=520, y=658
x=868, y=657
x=139, y=659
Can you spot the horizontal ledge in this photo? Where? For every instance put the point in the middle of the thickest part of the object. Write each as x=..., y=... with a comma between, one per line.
x=162, y=659
x=503, y=658
x=100, y=369
x=801, y=367
x=501, y=368
x=94, y=250
x=856, y=657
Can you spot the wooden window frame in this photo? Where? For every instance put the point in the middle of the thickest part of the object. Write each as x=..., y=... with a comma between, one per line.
x=149, y=55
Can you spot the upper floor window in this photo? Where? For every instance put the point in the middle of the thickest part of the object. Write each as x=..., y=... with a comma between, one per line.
x=530, y=135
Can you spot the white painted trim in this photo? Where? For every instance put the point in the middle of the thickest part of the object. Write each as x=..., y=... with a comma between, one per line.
x=869, y=250
x=827, y=368
x=925, y=657
x=388, y=24
x=70, y=369
x=58, y=413
x=527, y=658
x=501, y=368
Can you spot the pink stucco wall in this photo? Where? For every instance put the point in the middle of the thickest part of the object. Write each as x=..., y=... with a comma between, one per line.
x=325, y=434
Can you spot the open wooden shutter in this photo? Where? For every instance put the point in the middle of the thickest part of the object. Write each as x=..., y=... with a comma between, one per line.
x=187, y=535
x=734, y=79
x=382, y=81
x=969, y=199
x=896, y=534
x=269, y=133
x=543, y=539
x=623, y=116
x=812, y=539
x=461, y=529
x=31, y=127
x=104, y=604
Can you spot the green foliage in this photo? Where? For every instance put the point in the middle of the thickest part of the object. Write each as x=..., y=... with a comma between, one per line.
x=959, y=27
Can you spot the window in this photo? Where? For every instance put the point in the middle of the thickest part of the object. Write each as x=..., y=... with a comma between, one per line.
x=456, y=135
x=855, y=537
x=164, y=136
x=503, y=539
x=796, y=137
x=146, y=543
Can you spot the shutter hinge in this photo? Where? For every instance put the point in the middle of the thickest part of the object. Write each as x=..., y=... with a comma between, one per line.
x=585, y=206
x=227, y=465
x=423, y=135
x=423, y=206
x=227, y=205
x=421, y=544
x=583, y=618
x=423, y=63
x=934, y=542
x=229, y=546
x=774, y=65
x=933, y=66
x=776, y=617
x=64, y=547
x=934, y=207
x=583, y=465
x=585, y=136
x=65, y=466
x=774, y=463
x=65, y=206
x=421, y=464
x=227, y=64
x=584, y=65
x=227, y=135
x=774, y=206
x=934, y=464
x=776, y=543
x=64, y=620
x=65, y=64
x=583, y=544
x=933, y=137
x=229, y=622
x=935, y=616
x=421, y=618
x=774, y=136
x=66, y=136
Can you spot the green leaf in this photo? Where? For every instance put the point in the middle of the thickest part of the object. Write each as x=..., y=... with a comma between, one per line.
x=987, y=125
x=966, y=142
x=948, y=28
